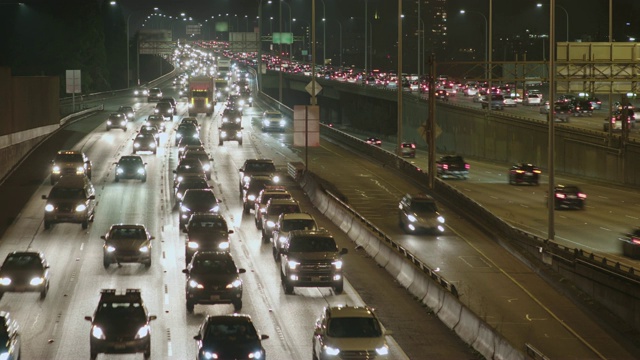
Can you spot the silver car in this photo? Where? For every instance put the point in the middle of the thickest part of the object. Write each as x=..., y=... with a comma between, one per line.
x=419, y=212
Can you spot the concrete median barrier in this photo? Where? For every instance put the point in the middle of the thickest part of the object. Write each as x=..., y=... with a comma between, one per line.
x=347, y=220
x=468, y=326
x=485, y=341
x=383, y=255
x=449, y=313
x=435, y=295
x=407, y=274
x=394, y=265
x=503, y=350
x=419, y=286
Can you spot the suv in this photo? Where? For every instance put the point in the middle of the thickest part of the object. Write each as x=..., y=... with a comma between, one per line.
x=131, y=167
x=120, y=324
x=349, y=332
x=256, y=166
x=419, y=211
x=272, y=211
x=231, y=116
x=230, y=131
x=228, y=336
x=127, y=244
x=165, y=109
x=569, y=197
x=173, y=103
x=206, y=231
x=186, y=130
x=155, y=94
x=287, y=223
x=127, y=110
x=252, y=189
x=24, y=271
x=70, y=162
x=157, y=121
x=197, y=200
x=117, y=120
x=188, y=168
x=524, y=173
x=72, y=200
x=212, y=278
x=202, y=156
x=145, y=142
x=268, y=193
x=497, y=102
x=310, y=259
x=273, y=121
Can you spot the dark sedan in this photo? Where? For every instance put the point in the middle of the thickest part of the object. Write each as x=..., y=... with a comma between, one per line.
x=127, y=244
x=25, y=271
x=568, y=197
x=524, y=173
x=229, y=337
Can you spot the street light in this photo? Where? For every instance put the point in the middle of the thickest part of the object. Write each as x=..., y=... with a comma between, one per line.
x=565, y=12
x=486, y=41
x=324, y=35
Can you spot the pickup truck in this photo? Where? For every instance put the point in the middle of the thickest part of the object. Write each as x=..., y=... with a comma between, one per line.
x=452, y=166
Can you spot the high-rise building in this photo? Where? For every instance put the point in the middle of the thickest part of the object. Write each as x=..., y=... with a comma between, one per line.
x=434, y=14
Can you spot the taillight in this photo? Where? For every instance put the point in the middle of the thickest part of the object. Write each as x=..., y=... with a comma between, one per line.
x=519, y=171
x=635, y=240
x=537, y=171
x=467, y=166
x=561, y=196
x=413, y=146
x=582, y=196
x=445, y=166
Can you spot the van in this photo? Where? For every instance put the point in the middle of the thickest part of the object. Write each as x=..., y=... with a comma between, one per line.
x=72, y=199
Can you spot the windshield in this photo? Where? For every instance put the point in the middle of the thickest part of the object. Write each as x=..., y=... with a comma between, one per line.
x=266, y=198
x=200, y=197
x=260, y=167
x=22, y=261
x=230, y=332
x=283, y=209
x=119, y=310
x=423, y=206
x=129, y=161
x=299, y=224
x=313, y=244
x=210, y=224
x=69, y=158
x=127, y=234
x=66, y=193
x=205, y=265
x=273, y=116
x=356, y=327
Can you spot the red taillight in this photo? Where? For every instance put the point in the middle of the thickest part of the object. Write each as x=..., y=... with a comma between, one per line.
x=467, y=166
x=582, y=196
x=445, y=166
x=561, y=196
x=635, y=240
x=537, y=171
x=413, y=146
x=519, y=171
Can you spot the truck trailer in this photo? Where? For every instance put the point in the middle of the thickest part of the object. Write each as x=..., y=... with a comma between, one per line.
x=202, y=91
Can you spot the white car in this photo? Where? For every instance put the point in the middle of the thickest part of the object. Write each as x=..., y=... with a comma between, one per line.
x=509, y=101
x=470, y=91
x=532, y=99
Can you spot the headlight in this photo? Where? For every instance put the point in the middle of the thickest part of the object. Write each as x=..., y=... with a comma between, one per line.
x=206, y=167
x=208, y=105
x=241, y=102
x=271, y=224
x=49, y=208
x=81, y=208
x=441, y=219
x=251, y=197
x=282, y=123
x=266, y=122
x=136, y=145
x=411, y=218
x=178, y=135
x=384, y=350
x=331, y=351
x=5, y=281
x=276, y=179
x=152, y=145
x=108, y=122
x=111, y=248
x=56, y=169
x=238, y=133
x=210, y=355
x=190, y=105
x=192, y=245
x=156, y=111
x=169, y=111
x=292, y=264
x=194, y=285
x=238, y=120
x=119, y=170
x=79, y=170
x=184, y=208
x=337, y=264
x=143, y=332
x=123, y=123
x=282, y=239
x=215, y=208
x=179, y=195
x=250, y=99
x=246, y=179
x=223, y=245
x=136, y=92
x=235, y=284
x=144, y=248
x=36, y=281
x=141, y=171
x=225, y=119
x=255, y=355
x=223, y=134
x=97, y=333
x=180, y=178
x=196, y=136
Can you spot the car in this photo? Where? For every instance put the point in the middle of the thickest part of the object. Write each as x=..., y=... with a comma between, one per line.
x=374, y=141
x=165, y=109
x=419, y=212
x=173, y=102
x=268, y=193
x=212, y=278
x=203, y=156
x=563, y=110
x=197, y=200
x=566, y=98
x=272, y=211
x=117, y=120
x=186, y=131
x=205, y=232
x=141, y=91
x=145, y=142
x=189, y=182
x=231, y=116
x=568, y=197
x=545, y=108
x=407, y=149
x=120, y=324
x=273, y=121
x=441, y=94
x=511, y=100
x=189, y=143
x=631, y=243
x=524, y=173
x=155, y=94
x=344, y=330
x=131, y=167
x=311, y=259
x=470, y=91
x=252, y=189
x=157, y=121
x=245, y=94
x=188, y=168
x=230, y=131
x=229, y=337
x=190, y=120
x=452, y=166
x=582, y=107
x=497, y=102
x=256, y=166
x=286, y=223
x=615, y=123
x=127, y=110
x=532, y=100
x=235, y=101
x=70, y=163
x=72, y=199
x=25, y=271
x=10, y=338
x=126, y=243
x=147, y=129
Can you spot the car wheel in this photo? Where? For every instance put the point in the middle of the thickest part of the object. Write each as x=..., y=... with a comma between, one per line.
x=339, y=288
x=93, y=355
x=43, y=293
x=117, y=179
x=240, y=143
x=288, y=288
x=237, y=305
x=190, y=307
x=144, y=179
x=47, y=225
x=246, y=209
x=155, y=152
x=220, y=143
x=134, y=151
x=147, y=353
x=85, y=224
x=275, y=254
x=106, y=262
x=147, y=263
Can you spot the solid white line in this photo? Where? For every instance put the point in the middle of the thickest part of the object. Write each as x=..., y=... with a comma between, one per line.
x=169, y=351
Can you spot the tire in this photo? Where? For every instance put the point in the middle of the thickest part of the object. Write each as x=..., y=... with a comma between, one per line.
x=147, y=353
x=246, y=209
x=339, y=288
x=117, y=179
x=240, y=143
x=276, y=258
x=155, y=152
x=220, y=143
x=1, y=294
x=237, y=306
x=85, y=224
x=89, y=174
x=106, y=262
x=47, y=225
x=190, y=307
x=147, y=263
x=93, y=355
x=144, y=179
x=288, y=288
x=43, y=293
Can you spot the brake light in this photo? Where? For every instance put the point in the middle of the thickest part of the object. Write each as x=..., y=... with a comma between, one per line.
x=537, y=171
x=413, y=146
x=519, y=171
x=582, y=196
x=635, y=240
x=445, y=166
x=467, y=166
x=561, y=196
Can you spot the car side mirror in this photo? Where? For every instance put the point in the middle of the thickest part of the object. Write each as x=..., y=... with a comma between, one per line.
x=242, y=128
x=185, y=271
x=230, y=231
x=152, y=238
x=103, y=237
x=115, y=163
x=197, y=337
x=388, y=332
x=92, y=197
x=242, y=271
x=88, y=318
x=152, y=317
x=44, y=197
x=174, y=171
x=264, y=337
x=343, y=251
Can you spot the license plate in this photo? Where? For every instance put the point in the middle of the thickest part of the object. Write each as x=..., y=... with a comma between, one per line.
x=315, y=278
x=119, y=346
x=214, y=297
x=571, y=196
x=529, y=173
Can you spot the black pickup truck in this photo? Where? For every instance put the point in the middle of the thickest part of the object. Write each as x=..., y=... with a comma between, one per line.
x=452, y=166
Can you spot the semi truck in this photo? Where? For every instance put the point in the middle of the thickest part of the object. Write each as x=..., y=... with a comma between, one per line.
x=202, y=97
x=223, y=68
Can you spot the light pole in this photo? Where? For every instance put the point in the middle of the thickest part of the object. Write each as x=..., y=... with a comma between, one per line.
x=567, y=15
x=324, y=35
x=486, y=41
x=290, y=30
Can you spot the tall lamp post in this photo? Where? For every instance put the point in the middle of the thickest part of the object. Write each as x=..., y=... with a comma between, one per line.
x=486, y=40
x=566, y=13
x=324, y=34
x=290, y=30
